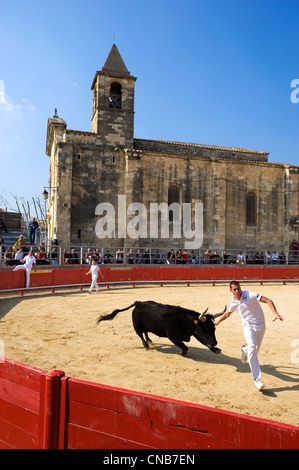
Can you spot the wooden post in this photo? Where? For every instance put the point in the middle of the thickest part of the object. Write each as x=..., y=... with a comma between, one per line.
x=50, y=409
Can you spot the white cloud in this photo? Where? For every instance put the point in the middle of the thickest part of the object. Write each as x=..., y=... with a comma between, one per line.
x=28, y=104
x=76, y=85
x=5, y=100
x=7, y=103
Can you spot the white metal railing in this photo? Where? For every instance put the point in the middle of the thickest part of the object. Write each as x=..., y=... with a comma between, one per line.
x=53, y=254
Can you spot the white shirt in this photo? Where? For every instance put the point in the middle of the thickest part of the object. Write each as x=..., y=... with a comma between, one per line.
x=94, y=270
x=29, y=261
x=249, y=308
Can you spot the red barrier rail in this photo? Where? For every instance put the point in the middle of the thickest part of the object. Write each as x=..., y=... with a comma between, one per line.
x=41, y=409
x=53, y=277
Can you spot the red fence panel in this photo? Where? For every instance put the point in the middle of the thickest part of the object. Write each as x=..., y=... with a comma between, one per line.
x=12, y=279
x=39, y=278
x=19, y=405
x=108, y=417
x=48, y=410
x=67, y=276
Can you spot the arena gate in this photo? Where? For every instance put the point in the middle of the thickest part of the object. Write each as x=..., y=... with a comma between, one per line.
x=47, y=410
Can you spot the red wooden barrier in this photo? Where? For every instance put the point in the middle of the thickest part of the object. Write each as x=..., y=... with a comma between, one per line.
x=133, y=274
x=48, y=410
x=108, y=417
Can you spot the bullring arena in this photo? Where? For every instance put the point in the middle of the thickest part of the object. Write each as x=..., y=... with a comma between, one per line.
x=59, y=331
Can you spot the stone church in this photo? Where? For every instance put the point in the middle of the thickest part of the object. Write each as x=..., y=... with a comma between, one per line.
x=109, y=189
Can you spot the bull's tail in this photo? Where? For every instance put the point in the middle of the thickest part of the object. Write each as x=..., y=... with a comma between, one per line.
x=112, y=315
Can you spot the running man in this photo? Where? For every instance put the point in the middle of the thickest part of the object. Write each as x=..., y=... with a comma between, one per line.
x=94, y=271
x=254, y=326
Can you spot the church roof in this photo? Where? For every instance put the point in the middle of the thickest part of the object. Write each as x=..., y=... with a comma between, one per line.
x=115, y=63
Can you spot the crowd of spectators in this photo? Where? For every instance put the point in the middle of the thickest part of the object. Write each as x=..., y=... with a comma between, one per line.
x=14, y=254
x=154, y=256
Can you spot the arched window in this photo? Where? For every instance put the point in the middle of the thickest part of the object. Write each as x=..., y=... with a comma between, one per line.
x=251, y=208
x=115, y=96
x=173, y=196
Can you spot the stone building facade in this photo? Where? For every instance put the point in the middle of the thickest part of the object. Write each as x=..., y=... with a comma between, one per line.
x=106, y=184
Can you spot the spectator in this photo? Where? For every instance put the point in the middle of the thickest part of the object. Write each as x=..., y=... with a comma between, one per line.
x=3, y=226
x=33, y=225
x=268, y=257
x=9, y=257
x=191, y=257
x=147, y=256
x=179, y=257
x=20, y=243
x=54, y=256
x=88, y=256
x=157, y=258
x=65, y=255
x=274, y=257
x=41, y=256
x=139, y=257
x=19, y=255
x=130, y=257
x=294, y=247
x=170, y=257
x=107, y=258
x=119, y=256
x=240, y=258
x=2, y=244
x=72, y=258
x=97, y=256
x=282, y=258
x=215, y=258
x=226, y=255
x=207, y=256
x=184, y=256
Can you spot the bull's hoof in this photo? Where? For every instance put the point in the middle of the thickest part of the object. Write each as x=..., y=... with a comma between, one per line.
x=217, y=351
x=183, y=353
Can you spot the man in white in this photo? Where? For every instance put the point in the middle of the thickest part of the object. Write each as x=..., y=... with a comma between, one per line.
x=28, y=261
x=94, y=271
x=253, y=322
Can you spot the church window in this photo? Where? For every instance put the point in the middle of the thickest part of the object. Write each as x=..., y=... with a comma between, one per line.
x=173, y=196
x=251, y=208
x=115, y=96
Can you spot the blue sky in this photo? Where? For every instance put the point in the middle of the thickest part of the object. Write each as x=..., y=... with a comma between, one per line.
x=214, y=72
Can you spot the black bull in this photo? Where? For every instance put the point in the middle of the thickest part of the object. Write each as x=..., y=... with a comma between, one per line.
x=168, y=321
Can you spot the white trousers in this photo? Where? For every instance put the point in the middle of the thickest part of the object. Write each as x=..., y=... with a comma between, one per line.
x=28, y=270
x=94, y=283
x=254, y=335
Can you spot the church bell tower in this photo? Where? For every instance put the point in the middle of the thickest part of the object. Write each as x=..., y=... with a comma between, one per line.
x=113, y=90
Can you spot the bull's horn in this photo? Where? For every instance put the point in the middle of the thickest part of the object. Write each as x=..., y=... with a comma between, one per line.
x=219, y=314
x=202, y=315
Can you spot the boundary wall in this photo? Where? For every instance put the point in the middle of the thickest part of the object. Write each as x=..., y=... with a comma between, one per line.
x=47, y=410
x=59, y=277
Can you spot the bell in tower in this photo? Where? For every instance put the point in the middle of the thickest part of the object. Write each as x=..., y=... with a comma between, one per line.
x=113, y=102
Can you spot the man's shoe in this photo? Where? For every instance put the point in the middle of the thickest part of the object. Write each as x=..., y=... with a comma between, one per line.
x=258, y=384
x=244, y=354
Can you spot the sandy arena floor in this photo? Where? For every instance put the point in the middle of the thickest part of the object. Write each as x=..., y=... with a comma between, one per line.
x=59, y=331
